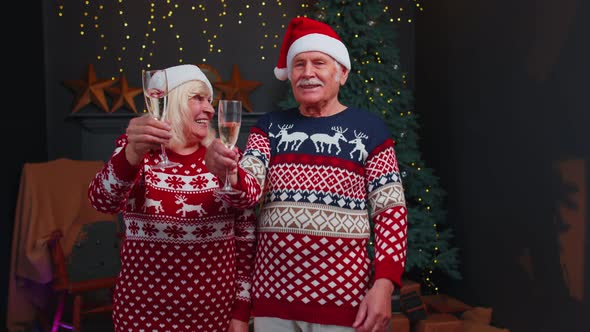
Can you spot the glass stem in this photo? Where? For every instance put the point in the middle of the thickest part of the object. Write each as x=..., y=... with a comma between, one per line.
x=226, y=185
x=164, y=155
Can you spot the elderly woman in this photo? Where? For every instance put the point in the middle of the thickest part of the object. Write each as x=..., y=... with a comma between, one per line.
x=186, y=262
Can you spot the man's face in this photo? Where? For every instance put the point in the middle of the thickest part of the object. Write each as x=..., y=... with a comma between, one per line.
x=316, y=78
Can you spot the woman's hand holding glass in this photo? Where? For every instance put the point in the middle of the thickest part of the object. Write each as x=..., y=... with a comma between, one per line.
x=145, y=134
x=155, y=91
x=220, y=159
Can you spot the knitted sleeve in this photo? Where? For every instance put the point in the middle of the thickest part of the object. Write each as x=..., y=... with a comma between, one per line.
x=110, y=187
x=252, y=170
x=389, y=213
x=245, y=237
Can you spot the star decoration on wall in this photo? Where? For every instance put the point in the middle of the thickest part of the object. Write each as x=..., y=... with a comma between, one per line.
x=238, y=89
x=123, y=95
x=89, y=91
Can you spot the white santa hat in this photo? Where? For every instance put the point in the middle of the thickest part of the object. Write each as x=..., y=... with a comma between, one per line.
x=304, y=35
x=178, y=75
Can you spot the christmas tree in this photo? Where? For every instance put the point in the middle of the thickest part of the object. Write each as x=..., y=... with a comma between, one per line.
x=377, y=83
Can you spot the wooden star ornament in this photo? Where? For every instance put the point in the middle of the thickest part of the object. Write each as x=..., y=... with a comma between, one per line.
x=123, y=95
x=238, y=89
x=89, y=91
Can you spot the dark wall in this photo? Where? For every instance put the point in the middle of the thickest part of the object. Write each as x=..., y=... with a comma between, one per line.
x=68, y=53
x=24, y=133
x=253, y=45
x=502, y=88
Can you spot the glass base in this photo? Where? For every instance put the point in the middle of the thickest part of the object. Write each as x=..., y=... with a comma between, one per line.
x=226, y=191
x=165, y=164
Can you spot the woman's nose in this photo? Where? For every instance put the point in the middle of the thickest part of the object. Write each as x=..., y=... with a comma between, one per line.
x=209, y=108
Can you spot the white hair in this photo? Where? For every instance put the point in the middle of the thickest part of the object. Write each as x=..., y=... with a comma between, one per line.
x=179, y=112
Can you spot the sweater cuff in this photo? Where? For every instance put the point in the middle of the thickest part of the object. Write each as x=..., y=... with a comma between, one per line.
x=389, y=270
x=241, y=185
x=244, y=198
x=241, y=311
x=122, y=168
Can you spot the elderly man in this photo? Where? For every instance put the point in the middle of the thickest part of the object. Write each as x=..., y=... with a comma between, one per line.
x=320, y=169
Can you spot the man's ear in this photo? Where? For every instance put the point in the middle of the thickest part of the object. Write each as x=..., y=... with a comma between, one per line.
x=344, y=75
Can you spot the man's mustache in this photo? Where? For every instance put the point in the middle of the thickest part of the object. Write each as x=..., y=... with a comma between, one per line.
x=311, y=81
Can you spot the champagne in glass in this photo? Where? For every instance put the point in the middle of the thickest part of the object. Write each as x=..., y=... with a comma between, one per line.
x=229, y=119
x=228, y=132
x=155, y=92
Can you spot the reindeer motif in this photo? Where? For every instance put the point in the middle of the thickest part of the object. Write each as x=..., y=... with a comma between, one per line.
x=224, y=206
x=181, y=199
x=359, y=145
x=269, y=133
x=296, y=138
x=149, y=202
x=320, y=139
x=131, y=203
x=247, y=213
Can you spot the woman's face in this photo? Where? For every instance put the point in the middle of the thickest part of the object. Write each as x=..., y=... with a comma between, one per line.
x=201, y=113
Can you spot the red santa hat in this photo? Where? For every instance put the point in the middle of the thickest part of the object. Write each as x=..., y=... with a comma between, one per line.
x=178, y=75
x=305, y=35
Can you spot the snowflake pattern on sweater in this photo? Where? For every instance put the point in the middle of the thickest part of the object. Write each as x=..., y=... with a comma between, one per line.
x=187, y=256
x=319, y=178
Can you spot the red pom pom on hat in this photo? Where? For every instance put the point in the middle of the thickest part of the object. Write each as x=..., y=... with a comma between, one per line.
x=304, y=35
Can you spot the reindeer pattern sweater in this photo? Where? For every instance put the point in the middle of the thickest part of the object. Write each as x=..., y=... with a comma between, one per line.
x=187, y=256
x=320, y=177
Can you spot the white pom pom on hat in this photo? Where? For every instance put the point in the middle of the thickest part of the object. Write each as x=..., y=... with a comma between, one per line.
x=304, y=35
x=180, y=74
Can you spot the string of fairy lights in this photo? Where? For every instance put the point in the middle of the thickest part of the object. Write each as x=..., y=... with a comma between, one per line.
x=427, y=279
x=124, y=35
x=210, y=20
x=403, y=15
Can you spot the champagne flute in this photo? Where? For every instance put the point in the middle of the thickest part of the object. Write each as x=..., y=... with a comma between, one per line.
x=155, y=92
x=229, y=118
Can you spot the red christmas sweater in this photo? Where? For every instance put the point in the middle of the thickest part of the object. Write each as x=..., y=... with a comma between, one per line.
x=187, y=256
x=321, y=179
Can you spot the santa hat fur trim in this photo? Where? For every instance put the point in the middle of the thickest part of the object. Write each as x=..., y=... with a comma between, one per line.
x=178, y=75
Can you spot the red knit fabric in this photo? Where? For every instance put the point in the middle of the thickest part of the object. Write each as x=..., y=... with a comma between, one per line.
x=187, y=256
x=319, y=181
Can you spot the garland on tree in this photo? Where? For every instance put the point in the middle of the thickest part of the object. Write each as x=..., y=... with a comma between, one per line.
x=376, y=83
